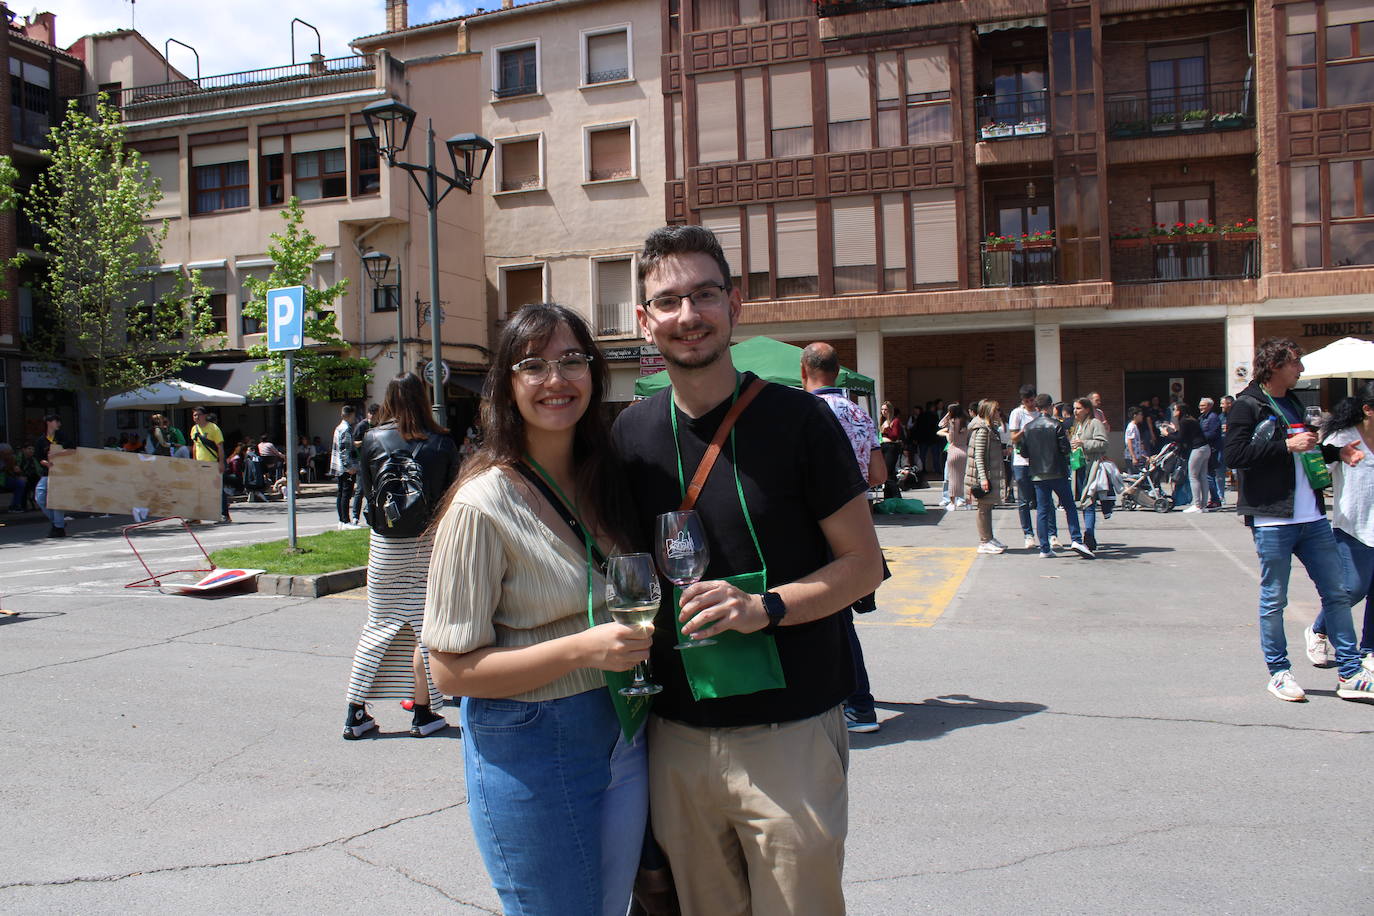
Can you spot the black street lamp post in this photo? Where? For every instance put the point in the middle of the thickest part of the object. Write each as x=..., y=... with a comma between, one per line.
x=377, y=264
x=395, y=118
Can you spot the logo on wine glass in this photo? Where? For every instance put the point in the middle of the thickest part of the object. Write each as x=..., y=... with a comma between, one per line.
x=680, y=547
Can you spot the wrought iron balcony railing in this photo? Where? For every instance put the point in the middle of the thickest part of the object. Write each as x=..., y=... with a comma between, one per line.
x=1012, y=114
x=245, y=88
x=616, y=320
x=842, y=7
x=1024, y=266
x=1218, y=106
x=1197, y=257
x=506, y=92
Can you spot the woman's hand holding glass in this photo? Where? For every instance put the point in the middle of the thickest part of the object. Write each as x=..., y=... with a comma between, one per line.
x=632, y=597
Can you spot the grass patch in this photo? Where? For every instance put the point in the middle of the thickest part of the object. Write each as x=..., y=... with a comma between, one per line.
x=326, y=552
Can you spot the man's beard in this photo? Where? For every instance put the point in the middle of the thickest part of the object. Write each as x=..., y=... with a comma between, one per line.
x=696, y=361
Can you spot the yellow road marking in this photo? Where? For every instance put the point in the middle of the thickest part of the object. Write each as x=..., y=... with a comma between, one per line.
x=924, y=581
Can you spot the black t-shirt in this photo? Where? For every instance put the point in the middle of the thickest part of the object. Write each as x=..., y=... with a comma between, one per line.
x=42, y=446
x=796, y=468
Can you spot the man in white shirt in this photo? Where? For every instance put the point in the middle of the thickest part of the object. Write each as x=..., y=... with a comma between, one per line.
x=1020, y=466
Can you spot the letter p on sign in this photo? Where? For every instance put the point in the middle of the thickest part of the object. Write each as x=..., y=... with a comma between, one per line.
x=285, y=317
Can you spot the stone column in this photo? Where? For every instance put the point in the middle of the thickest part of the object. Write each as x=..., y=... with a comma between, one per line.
x=869, y=345
x=1048, y=374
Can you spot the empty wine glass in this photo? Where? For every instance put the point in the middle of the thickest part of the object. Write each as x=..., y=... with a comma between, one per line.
x=680, y=545
x=632, y=596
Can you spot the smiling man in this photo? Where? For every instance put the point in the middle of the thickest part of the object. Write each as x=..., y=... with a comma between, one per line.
x=1265, y=441
x=747, y=785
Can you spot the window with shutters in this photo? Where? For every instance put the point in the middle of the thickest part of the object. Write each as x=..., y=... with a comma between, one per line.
x=367, y=167
x=613, y=283
x=855, y=243
x=519, y=164
x=610, y=152
x=759, y=272
x=317, y=174
x=515, y=70
x=725, y=223
x=795, y=247
x=847, y=99
x=606, y=55
x=521, y=285
x=935, y=238
x=894, y=242
x=928, y=118
x=791, y=119
x=717, y=135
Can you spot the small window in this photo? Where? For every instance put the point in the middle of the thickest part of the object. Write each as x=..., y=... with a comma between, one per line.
x=610, y=153
x=273, y=179
x=223, y=186
x=606, y=56
x=613, y=282
x=219, y=312
x=367, y=168
x=521, y=286
x=319, y=174
x=519, y=164
x=517, y=71
x=386, y=298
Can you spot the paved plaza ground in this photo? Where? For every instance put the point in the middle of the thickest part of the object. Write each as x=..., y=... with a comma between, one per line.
x=1059, y=736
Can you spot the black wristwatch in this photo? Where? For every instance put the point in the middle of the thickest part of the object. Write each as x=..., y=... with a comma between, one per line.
x=776, y=609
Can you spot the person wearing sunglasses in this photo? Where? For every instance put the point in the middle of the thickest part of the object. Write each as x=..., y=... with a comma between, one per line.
x=555, y=776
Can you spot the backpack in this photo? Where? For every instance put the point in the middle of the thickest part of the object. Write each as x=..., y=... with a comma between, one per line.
x=398, y=506
x=252, y=472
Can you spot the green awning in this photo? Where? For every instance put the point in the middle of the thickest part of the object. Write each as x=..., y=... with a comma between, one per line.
x=769, y=359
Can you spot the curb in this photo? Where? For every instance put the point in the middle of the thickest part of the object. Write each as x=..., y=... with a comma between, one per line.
x=312, y=586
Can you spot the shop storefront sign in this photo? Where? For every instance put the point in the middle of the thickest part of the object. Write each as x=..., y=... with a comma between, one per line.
x=648, y=365
x=44, y=375
x=1337, y=328
x=620, y=353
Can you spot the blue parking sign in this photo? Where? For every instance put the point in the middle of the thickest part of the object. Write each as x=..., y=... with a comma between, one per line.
x=285, y=317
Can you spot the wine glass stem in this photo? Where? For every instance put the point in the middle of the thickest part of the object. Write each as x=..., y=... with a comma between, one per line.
x=639, y=675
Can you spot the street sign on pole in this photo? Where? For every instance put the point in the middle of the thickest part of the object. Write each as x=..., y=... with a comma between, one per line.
x=285, y=328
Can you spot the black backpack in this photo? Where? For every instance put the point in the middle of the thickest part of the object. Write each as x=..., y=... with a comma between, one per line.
x=398, y=506
x=252, y=472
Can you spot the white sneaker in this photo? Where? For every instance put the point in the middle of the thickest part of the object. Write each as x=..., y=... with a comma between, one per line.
x=1192, y=509
x=1283, y=686
x=1368, y=663
x=998, y=543
x=1081, y=549
x=1054, y=543
x=1319, y=651
x=989, y=547
x=959, y=503
x=1031, y=543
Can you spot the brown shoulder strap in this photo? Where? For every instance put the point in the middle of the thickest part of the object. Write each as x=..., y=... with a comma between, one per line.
x=713, y=450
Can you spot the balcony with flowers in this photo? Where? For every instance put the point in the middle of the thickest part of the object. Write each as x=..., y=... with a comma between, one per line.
x=1195, y=250
x=1028, y=259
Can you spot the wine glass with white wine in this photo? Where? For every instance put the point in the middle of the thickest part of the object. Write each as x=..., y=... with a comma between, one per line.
x=680, y=544
x=632, y=596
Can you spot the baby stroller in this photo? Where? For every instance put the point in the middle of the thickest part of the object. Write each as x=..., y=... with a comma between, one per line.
x=1146, y=489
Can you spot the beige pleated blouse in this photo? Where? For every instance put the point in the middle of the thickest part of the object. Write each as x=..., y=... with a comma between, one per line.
x=499, y=577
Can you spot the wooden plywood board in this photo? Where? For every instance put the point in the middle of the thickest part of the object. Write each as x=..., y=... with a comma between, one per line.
x=100, y=480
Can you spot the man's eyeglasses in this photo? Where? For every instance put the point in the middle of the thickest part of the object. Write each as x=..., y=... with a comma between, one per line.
x=709, y=296
x=535, y=369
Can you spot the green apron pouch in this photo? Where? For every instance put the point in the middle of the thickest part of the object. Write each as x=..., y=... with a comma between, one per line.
x=631, y=711
x=739, y=663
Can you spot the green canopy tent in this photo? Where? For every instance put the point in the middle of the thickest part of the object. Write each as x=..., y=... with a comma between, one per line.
x=769, y=359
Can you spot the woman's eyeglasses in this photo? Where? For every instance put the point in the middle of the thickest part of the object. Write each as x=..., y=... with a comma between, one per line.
x=709, y=296
x=535, y=369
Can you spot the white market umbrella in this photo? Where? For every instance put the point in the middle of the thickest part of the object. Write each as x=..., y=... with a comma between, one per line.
x=173, y=392
x=1348, y=358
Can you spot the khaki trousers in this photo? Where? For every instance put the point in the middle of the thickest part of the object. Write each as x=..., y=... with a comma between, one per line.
x=753, y=819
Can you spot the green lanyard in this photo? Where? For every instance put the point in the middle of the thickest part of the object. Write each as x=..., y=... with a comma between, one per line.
x=734, y=465
x=586, y=532
x=1278, y=411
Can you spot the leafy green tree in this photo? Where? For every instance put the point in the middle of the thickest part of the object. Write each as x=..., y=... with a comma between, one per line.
x=91, y=207
x=9, y=200
x=323, y=373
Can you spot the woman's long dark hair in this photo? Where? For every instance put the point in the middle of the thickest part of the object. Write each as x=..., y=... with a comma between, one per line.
x=503, y=429
x=1349, y=412
x=406, y=404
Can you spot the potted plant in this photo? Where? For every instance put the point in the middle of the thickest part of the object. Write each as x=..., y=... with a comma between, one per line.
x=1241, y=230
x=1166, y=121
x=1161, y=234
x=995, y=242
x=1030, y=126
x=993, y=130
x=1133, y=237
x=1195, y=118
x=1041, y=239
x=1199, y=227
x=1227, y=120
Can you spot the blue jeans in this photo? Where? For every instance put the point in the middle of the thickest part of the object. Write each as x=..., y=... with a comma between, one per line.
x=1045, y=491
x=860, y=701
x=1357, y=562
x=1313, y=544
x=1080, y=480
x=1025, y=496
x=40, y=496
x=558, y=802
